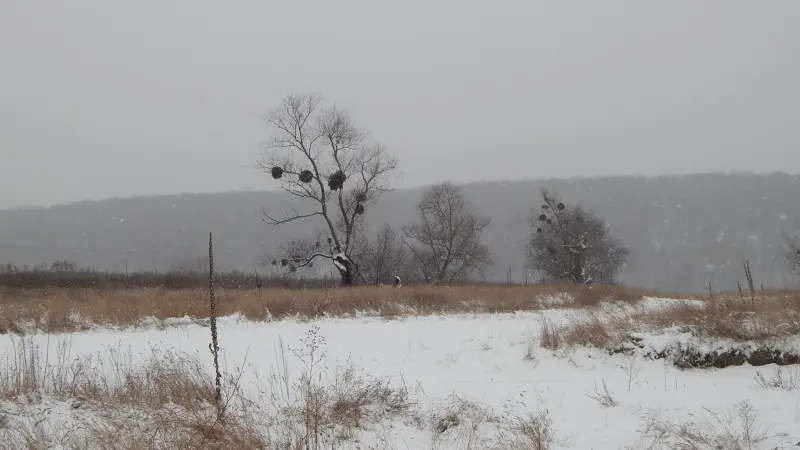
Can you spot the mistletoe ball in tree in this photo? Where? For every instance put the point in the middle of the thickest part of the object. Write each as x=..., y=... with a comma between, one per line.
x=306, y=176
x=336, y=181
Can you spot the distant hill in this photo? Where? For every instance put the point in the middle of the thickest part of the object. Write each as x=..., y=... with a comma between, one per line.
x=683, y=231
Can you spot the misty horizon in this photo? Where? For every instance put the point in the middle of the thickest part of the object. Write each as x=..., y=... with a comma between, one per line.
x=276, y=190
x=107, y=100
x=683, y=232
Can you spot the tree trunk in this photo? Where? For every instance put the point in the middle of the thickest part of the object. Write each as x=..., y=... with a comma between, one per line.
x=577, y=270
x=346, y=272
x=347, y=278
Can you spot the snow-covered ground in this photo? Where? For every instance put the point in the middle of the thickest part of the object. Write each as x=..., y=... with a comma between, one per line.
x=494, y=360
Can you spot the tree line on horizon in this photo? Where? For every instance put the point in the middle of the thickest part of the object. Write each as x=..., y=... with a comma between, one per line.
x=338, y=173
x=319, y=155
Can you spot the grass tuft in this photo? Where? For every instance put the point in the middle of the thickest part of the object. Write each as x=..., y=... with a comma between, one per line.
x=737, y=429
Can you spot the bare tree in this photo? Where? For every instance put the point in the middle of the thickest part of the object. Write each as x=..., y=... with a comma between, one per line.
x=318, y=155
x=196, y=264
x=796, y=258
x=384, y=257
x=446, y=241
x=570, y=244
x=793, y=252
x=63, y=266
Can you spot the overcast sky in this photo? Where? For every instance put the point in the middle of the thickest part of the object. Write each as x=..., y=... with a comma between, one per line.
x=104, y=98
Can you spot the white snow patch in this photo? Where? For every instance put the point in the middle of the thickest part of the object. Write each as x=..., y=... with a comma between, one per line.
x=656, y=304
x=480, y=358
x=673, y=341
x=555, y=300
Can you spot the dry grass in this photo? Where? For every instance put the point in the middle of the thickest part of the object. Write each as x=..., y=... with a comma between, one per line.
x=603, y=397
x=457, y=421
x=731, y=317
x=519, y=428
x=322, y=406
x=774, y=315
x=586, y=296
x=549, y=335
x=326, y=411
x=135, y=429
x=780, y=380
x=533, y=431
x=57, y=310
x=165, y=377
x=736, y=429
x=27, y=373
x=461, y=423
x=591, y=330
x=356, y=398
x=166, y=400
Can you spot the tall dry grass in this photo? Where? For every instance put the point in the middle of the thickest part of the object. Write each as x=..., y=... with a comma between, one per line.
x=738, y=428
x=462, y=423
x=773, y=314
x=729, y=316
x=168, y=399
x=75, y=309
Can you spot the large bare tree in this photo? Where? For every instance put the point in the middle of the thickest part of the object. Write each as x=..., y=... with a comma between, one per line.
x=384, y=257
x=318, y=155
x=571, y=244
x=446, y=241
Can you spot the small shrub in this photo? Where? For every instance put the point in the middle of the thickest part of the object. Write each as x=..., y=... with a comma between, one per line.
x=550, y=335
x=455, y=424
x=591, y=331
x=603, y=397
x=588, y=296
x=733, y=430
x=533, y=431
x=780, y=381
x=518, y=428
x=168, y=401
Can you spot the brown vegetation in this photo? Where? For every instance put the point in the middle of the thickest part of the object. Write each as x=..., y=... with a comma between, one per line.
x=738, y=428
x=770, y=316
x=170, y=399
x=167, y=400
x=53, y=309
x=457, y=422
x=549, y=336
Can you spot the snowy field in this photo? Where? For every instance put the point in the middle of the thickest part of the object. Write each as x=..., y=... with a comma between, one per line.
x=456, y=363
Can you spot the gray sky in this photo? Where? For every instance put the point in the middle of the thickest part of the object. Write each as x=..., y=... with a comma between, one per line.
x=106, y=98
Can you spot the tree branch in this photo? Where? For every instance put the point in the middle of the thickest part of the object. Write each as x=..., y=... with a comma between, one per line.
x=287, y=218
